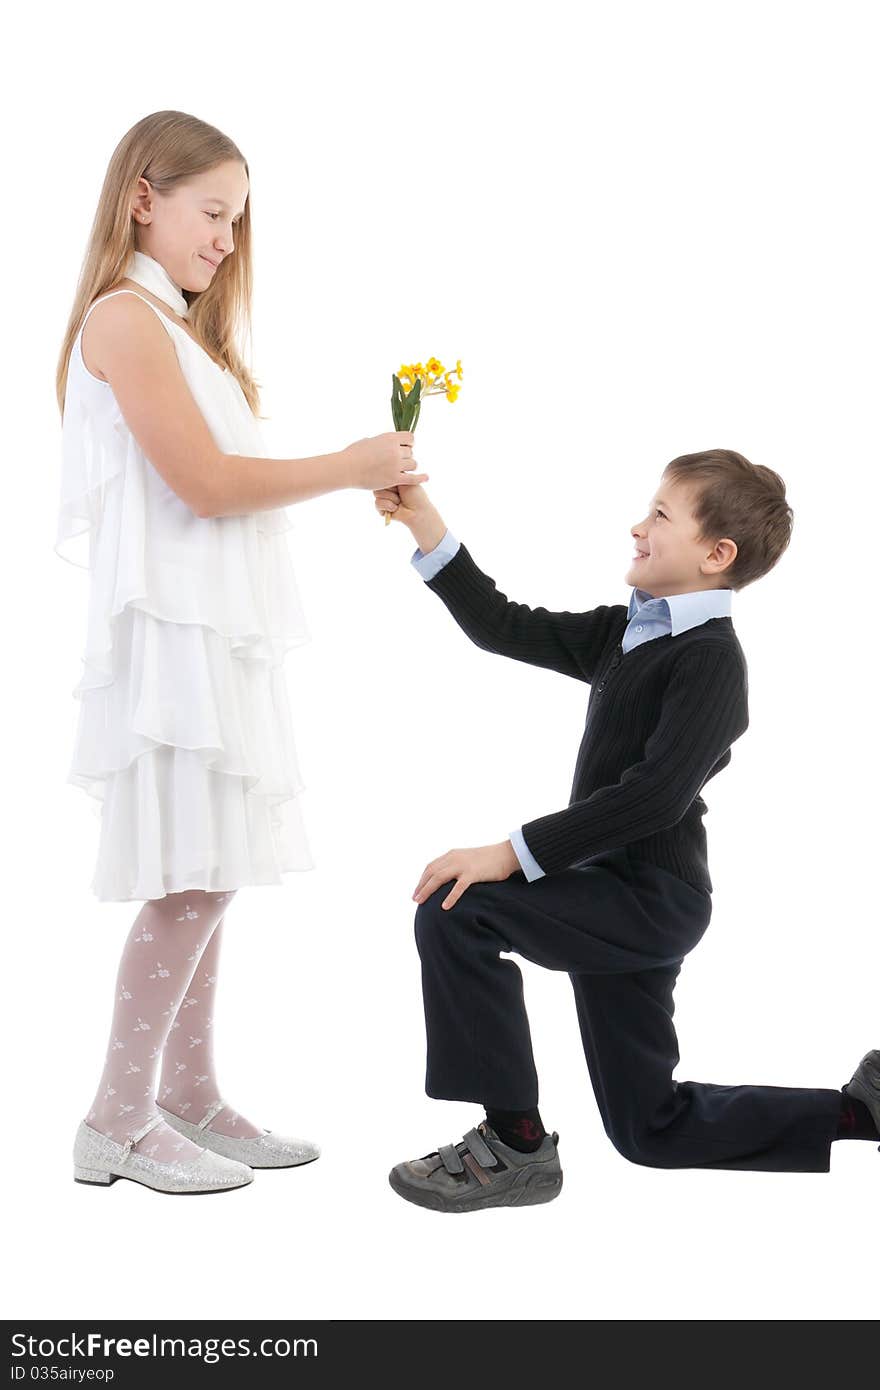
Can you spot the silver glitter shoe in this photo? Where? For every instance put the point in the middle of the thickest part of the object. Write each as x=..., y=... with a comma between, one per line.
x=99, y=1160
x=266, y=1150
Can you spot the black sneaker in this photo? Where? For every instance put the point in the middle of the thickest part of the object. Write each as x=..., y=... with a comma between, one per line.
x=865, y=1084
x=480, y=1171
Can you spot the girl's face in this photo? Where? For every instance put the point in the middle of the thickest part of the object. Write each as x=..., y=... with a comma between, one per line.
x=675, y=561
x=192, y=229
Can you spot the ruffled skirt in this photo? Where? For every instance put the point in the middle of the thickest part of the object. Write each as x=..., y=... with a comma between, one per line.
x=188, y=745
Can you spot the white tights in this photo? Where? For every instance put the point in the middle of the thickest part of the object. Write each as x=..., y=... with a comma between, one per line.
x=161, y=1033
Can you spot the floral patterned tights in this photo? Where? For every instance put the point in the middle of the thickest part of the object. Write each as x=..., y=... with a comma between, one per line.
x=161, y=1033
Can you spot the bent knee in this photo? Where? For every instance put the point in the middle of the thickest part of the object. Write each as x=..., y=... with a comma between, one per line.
x=647, y=1148
x=431, y=914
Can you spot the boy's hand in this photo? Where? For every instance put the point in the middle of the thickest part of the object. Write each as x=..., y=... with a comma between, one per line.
x=487, y=864
x=415, y=504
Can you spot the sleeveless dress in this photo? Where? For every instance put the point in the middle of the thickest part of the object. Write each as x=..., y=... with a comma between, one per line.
x=184, y=733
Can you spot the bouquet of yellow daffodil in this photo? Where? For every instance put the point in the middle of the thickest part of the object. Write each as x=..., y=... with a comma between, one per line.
x=410, y=384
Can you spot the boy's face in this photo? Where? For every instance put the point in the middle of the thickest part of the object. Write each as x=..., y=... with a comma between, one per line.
x=675, y=562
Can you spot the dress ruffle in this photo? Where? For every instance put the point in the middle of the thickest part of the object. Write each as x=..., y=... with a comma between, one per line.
x=193, y=828
x=184, y=733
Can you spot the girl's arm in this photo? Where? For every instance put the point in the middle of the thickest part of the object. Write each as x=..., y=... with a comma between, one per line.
x=138, y=358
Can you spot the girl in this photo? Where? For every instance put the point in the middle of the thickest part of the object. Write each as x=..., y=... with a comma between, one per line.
x=184, y=734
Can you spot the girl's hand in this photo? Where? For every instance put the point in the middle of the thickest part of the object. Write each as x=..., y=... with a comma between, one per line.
x=487, y=864
x=383, y=460
x=416, y=503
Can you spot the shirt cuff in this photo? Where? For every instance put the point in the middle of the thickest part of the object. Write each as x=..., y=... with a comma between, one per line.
x=429, y=564
x=530, y=866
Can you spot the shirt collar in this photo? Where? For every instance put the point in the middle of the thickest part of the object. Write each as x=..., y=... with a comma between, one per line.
x=684, y=610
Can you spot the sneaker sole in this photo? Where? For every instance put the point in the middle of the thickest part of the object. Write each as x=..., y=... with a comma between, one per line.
x=534, y=1191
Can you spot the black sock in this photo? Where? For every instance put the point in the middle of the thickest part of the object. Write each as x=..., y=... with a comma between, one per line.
x=856, y=1120
x=520, y=1129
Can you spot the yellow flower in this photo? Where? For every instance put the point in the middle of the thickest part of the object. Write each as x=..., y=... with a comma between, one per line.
x=429, y=373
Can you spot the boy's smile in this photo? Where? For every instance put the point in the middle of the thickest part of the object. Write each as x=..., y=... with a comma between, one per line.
x=669, y=557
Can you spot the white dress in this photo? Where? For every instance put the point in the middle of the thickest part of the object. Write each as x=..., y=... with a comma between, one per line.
x=184, y=734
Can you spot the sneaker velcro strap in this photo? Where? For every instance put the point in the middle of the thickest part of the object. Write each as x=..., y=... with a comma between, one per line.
x=480, y=1150
x=451, y=1161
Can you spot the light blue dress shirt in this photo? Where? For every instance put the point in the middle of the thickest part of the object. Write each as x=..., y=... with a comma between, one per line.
x=648, y=617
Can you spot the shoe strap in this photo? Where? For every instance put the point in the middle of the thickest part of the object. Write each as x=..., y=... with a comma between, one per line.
x=450, y=1159
x=139, y=1134
x=480, y=1149
x=209, y=1114
x=470, y=1152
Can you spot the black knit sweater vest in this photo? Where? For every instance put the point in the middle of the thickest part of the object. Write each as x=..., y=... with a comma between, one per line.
x=660, y=721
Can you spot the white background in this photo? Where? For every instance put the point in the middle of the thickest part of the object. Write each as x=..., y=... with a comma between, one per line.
x=645, y=230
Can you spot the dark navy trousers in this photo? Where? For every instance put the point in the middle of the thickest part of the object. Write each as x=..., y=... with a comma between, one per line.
x=621, y=930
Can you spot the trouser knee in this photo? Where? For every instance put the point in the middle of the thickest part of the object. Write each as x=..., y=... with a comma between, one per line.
x=433, y=924
x=646, y=1147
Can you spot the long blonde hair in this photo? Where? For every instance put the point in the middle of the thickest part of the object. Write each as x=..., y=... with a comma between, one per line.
x=167, y=148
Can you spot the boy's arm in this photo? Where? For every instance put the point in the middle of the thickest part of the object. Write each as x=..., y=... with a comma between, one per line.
x=428, y=565
x=570, y=643
x=527, y=861
x=704, y=710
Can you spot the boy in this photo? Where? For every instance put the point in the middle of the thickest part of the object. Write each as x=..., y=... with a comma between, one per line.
x=615, y=888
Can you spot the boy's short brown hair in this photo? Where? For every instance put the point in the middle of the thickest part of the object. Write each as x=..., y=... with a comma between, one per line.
x=743, y=501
